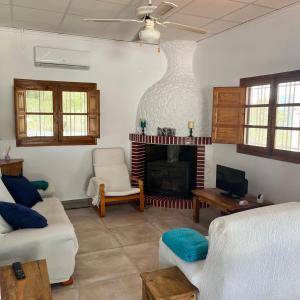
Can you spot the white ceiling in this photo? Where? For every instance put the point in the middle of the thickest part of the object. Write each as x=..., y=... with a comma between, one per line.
x=65, y=16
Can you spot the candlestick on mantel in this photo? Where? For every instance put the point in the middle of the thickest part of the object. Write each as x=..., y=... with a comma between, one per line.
x=191, y=125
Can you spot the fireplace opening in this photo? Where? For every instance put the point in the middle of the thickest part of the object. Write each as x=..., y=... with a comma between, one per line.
x=170, y=170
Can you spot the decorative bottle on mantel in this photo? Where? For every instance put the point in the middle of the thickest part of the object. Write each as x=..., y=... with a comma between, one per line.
x=175, y=99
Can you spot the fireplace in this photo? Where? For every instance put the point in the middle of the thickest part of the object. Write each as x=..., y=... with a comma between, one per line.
x=170, y=170
x=191, y=152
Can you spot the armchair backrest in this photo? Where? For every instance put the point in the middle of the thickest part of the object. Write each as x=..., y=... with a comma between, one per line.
x=254, y=255
x=109, y=165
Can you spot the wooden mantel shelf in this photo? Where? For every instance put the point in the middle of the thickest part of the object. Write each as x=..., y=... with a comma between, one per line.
x=169, y=140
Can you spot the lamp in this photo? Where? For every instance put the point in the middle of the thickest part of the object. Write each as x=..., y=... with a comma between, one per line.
x=149, y=34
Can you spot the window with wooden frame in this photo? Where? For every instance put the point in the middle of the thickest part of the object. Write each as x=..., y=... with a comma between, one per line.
x=272, y=123
x=56, y=113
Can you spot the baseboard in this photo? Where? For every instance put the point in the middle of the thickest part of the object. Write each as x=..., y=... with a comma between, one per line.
x=77, y=203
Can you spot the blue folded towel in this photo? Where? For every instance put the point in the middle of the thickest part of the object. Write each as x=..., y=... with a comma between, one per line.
x=186, y=243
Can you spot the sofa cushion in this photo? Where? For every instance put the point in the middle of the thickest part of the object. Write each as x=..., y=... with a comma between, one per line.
x=19, y=216
x=22, y=190
x=5, y=196
x=53, y=210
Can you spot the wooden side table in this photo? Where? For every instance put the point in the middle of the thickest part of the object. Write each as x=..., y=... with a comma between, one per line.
x=13, y=167
x=36, y=285
x=166, y=284
x=225, y=204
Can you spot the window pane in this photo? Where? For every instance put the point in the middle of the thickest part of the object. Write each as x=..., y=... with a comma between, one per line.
x=39, y=101
x=74, y=102
x=258, y=95
x=39, y=125
x=288, y=140
x=257, y=116
x=288, y=116
x=256, y=137
x=75, y=125
x=288, y=92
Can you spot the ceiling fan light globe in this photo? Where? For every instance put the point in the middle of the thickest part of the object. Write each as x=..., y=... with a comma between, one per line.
x=149, y=36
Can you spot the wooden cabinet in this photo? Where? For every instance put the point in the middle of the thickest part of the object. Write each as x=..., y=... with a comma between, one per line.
x=36, y=285
x=228, y=115
x=167, y=284
x=13, y=167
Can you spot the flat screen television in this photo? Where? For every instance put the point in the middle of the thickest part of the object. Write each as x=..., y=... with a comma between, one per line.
x=232, y=181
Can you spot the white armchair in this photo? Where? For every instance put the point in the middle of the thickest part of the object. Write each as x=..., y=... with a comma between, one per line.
x=252, y=255
x=112, y=181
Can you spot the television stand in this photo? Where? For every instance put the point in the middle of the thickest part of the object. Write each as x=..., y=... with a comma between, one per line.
x=231, y=196
x=213, y=197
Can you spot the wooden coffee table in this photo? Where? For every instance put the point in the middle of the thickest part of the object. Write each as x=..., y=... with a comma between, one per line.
x=36, y=285
x=225, y=204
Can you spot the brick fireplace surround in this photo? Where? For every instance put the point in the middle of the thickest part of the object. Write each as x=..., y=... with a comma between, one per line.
x=138, y=155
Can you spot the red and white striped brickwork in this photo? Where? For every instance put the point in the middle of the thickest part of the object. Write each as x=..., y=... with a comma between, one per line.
x=200, y=167
x=138, y=157
x=169, y=140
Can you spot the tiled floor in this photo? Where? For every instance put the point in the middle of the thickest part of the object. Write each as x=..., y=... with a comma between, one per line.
x=115, y=249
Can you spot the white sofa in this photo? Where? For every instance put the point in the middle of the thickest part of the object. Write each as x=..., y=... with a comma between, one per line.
x=252, y=255
x=57, y=243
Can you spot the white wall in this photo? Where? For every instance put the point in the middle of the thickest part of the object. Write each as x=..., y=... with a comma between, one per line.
x=264, y=46
x=123, y=71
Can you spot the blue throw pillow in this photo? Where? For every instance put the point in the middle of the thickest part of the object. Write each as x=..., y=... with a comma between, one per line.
x=19, y=216
x=186, y=243
x=21, y=190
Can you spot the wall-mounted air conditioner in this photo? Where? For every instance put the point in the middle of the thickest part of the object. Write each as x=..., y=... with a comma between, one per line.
x=61, y=58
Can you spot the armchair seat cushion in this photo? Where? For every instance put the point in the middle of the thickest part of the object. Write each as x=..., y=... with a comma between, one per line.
x=131, y=191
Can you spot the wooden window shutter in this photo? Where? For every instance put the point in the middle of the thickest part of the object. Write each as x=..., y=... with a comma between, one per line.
x=20, y=111
x=228, y=115
x=94, y=113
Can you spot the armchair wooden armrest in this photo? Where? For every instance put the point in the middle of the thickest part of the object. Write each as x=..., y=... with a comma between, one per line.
x=102, y=200
x=137, y=180
x=141, y=187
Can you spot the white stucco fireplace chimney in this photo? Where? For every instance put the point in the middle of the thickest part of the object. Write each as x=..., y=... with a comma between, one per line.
x=175, y=99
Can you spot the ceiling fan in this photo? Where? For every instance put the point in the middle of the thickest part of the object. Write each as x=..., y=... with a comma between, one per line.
x=150, y=16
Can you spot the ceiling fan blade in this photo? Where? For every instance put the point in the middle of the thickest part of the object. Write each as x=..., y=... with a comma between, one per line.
x=184, y=27
x=136, y=37
x=113, y=20
x=162, y=9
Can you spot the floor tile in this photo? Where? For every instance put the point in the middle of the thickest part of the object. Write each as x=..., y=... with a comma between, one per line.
x=63, y=293
x=123, y=218
x=136, y=234
x=154, y=213
x=103, y=265
x=144, y=256
x=87, y=224
x=124, y=288
x=95, y=240
x=81, y=213
x=168, y=224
